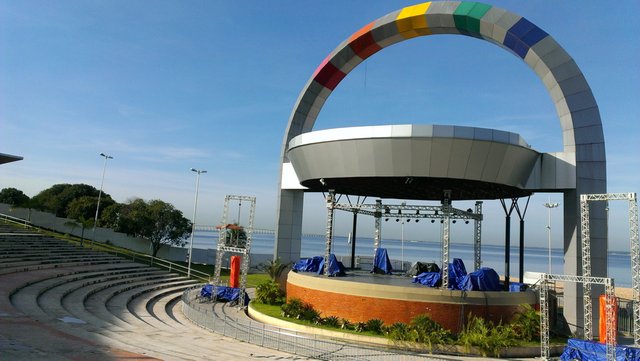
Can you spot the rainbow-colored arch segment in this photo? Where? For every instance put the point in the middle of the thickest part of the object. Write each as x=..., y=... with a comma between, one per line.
x=574, y=102
x=466, y=18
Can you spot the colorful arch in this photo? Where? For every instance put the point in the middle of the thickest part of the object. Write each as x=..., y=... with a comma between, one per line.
x=583, y=156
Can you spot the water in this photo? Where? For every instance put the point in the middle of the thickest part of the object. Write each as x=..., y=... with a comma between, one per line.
x=536, y=259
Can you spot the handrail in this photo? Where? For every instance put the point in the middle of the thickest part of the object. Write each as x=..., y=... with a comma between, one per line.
x=163, y=263
x=20, y=221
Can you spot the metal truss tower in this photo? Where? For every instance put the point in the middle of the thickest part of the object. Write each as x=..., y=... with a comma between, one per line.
x=244, y=250
x=545, y=279
x=635, y=255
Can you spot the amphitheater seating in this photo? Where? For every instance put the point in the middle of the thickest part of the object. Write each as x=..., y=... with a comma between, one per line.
x=56, y=296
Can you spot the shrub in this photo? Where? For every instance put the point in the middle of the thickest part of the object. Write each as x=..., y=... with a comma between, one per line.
x=429, y=332
x=309, y=314
x=297, y=309
x=360, y=327
x=331, y=321
x=293, y=308
x=269, y=293
x=346, y=324
x=400, y=331
x=486, y=336
x=526, y=323
x=374, y=325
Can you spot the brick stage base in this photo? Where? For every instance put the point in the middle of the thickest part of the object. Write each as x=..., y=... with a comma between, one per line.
x=359, y=297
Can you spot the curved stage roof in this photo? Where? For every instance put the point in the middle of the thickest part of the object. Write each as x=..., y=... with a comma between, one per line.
x=8, y=158
x=414, y=162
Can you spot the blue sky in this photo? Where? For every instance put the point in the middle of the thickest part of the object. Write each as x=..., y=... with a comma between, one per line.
x=164, y=86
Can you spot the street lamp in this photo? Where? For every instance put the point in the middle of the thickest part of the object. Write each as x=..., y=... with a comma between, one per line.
x=195, y=207
x=550, y=205
x=104, y=168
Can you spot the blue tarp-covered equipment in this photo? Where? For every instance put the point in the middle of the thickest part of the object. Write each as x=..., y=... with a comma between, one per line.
x=484, y=279
x=517, y=287
x=223, y=293
x=311, y=264
x=457, y=271
x=206, y=291
x=594, y=351
x=381, y=263
x=430, y=279
x=336, y=268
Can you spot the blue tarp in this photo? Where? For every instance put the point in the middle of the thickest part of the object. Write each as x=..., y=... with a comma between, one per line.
x=223, y=293
x=456, y=273
x=517, y=287
x=431, y=279
x=594, y=351
x=485, y=279
x=311, y=264
x=381, y=263
x=335, y=268
x=206, y=291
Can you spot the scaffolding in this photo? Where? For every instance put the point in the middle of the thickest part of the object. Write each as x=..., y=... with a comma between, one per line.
x=445, y=212
x=635, y=255
x=230, y=246
x=545, y=279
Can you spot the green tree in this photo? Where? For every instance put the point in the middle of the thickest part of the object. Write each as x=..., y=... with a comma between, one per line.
x=14, y=197
x=83, y=209
x=57, y=198
x=110, y=215
x=159, y=222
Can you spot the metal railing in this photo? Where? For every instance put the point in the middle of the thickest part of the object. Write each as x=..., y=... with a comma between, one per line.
x=118, y=251
x=213, y=317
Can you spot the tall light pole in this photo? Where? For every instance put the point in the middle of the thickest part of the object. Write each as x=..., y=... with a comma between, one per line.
x=104, y=168
x=550, y=205
x=195, y=208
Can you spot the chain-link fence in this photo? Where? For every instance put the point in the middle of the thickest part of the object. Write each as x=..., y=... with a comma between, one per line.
x=217, y=318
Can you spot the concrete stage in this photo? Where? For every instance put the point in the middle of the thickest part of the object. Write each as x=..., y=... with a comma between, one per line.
x=361, y=296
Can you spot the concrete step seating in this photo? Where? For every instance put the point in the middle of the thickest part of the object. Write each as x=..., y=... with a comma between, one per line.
x=153, y=307
x=98, y=296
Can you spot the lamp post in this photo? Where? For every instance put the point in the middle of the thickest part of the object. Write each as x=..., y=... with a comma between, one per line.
x=550, y=205
x=104, y=168
x=195, y=208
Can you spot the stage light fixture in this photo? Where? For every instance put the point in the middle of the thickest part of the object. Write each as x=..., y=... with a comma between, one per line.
x=454, y=221
x=466, y=222
x=470, y=210
x=436, y=213
x=417, y=220
x=442, y=221
x=397, y=219
x=386, y=219
x=433, y=221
